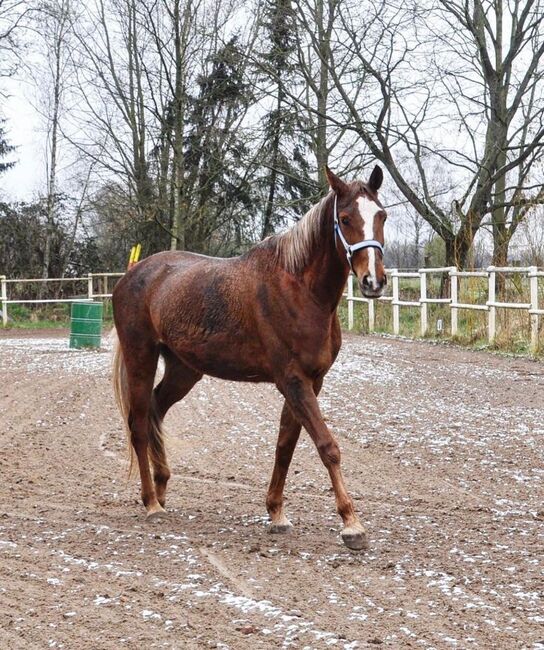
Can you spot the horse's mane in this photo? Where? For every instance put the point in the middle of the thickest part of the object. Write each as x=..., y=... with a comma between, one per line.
x=294, y=247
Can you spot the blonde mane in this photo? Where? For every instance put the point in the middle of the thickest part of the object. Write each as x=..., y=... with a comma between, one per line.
x=294, y=247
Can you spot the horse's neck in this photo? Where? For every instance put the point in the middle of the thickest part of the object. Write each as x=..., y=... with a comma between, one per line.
x=327, y=272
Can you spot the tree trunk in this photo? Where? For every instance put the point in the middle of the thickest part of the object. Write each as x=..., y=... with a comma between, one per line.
x=457, y=253
x=457, y=249
x=268, y=226
x=51, y=203
x=321, y=150
x=52, y=179
x=179, y=205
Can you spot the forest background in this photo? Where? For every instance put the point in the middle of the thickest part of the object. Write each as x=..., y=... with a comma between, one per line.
x=206, y=125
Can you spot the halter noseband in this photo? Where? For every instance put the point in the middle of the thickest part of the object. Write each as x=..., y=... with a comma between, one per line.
x=352, y=248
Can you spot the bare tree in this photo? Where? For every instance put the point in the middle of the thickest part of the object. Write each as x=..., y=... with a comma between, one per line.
x=55, y=24
x=113, y=116
x=13, y=14
x=416, y=92
x=503, y=47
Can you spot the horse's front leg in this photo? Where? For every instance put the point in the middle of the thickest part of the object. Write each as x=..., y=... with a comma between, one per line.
x=300, y=396
x=287, y=441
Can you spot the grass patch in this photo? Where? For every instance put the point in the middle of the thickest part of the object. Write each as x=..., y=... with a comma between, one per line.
x=48, y=316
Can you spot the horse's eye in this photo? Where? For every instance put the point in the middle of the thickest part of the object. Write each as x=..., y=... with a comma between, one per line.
x=345, y=220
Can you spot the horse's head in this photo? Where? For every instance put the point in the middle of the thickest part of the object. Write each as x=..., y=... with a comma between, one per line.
x=359, y=224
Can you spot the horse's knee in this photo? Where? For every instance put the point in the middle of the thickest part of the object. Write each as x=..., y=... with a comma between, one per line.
x=294, y=390
x=329, y=452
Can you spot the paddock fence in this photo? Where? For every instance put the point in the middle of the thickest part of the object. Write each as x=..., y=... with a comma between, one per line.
x=519, y=289
x=83, y=289
x=452, y=280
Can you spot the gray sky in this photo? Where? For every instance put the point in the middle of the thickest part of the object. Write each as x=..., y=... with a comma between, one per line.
x=23, y=129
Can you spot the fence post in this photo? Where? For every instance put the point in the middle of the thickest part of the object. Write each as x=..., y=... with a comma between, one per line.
x=491, y=318
x=4, y=293
x=533, y=283
x=454, y=296
x=396, y=306
x=371, y=315
x=350, y=301
x=423, y=306
x=90, y=286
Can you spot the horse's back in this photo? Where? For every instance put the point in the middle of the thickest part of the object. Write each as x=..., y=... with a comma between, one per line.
x=146, y=277
x=198, y=306
x=235, y=318
x=135, y=293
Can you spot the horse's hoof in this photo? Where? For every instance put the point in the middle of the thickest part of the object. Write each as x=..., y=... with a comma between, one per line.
x=156, y=514
x=355, y=538
x=280, y=527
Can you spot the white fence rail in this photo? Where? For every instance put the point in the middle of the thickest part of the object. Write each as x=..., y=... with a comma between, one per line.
x=490, y=306
x=88, y=290
x=98, y=285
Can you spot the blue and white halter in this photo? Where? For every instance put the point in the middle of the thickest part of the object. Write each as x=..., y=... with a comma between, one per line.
x=352, y=248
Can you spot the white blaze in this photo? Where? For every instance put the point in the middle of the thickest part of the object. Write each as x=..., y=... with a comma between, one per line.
x=368, y=210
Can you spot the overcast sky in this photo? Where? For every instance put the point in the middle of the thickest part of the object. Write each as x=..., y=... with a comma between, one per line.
x=25, y=180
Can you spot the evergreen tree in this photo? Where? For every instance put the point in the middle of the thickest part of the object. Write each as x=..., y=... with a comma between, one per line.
x=5, y=149
x=285, y=145
x=216, y=174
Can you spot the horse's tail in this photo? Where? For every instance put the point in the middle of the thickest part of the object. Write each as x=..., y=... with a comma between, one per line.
x=120, y=390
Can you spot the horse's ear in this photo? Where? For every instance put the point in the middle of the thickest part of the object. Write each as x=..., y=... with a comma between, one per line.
x=376, y=179
x=336, y=184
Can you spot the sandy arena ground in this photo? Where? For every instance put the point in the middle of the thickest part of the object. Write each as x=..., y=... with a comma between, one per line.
x=442, y=451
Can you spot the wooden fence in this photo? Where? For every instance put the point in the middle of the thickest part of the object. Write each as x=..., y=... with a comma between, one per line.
x=98, y=285
x=452, y=300
x=89, y=284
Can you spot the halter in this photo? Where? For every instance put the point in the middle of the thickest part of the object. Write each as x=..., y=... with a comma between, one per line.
x=352, y=248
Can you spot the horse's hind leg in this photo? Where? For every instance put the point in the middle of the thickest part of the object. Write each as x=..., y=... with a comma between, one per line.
x=177, y=381
x=287, y=441
x=140, y=369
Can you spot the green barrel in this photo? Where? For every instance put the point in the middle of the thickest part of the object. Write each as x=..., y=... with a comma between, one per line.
x=86, y=325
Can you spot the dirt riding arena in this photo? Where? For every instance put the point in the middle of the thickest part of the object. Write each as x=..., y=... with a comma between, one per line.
x=443, y=453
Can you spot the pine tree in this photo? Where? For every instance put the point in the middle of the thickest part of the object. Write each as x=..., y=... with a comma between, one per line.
x=285, y=145
x=215, y=152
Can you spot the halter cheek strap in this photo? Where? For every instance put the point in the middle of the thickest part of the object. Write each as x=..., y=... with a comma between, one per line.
x=352, y=248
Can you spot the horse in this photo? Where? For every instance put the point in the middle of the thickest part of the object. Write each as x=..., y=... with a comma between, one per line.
x=269, y=315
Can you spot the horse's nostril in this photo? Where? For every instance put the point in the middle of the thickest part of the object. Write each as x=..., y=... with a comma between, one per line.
x=366, y=281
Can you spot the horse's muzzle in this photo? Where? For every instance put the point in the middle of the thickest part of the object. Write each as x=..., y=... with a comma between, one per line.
x=372, y=287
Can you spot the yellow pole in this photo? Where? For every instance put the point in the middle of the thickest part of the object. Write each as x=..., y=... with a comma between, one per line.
x=137, y=253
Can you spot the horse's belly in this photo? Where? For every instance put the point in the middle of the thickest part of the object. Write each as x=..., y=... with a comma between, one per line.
x=229, y=360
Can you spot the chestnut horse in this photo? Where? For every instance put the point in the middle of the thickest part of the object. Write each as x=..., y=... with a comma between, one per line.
x=269, y=315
